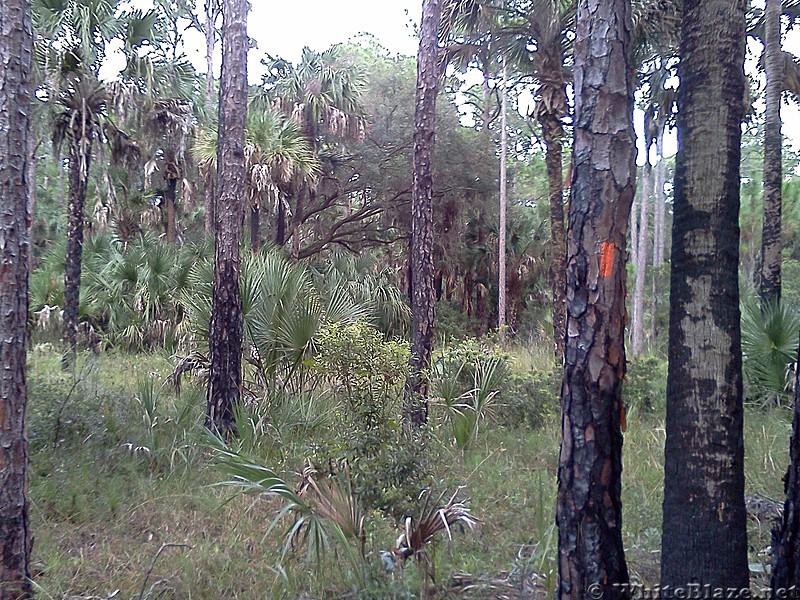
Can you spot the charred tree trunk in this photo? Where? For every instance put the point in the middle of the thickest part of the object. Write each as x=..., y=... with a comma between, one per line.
x=786, y=536
x=225, y=336
x=705, y=529
x=15, y=190
x=169, y=209
x=771, y=243
x=255, y=228
x=415, y=394
x=591, y=559
x=80, y=155
x=280, y=225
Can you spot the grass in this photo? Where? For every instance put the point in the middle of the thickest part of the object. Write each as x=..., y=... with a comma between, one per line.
x=126, y=504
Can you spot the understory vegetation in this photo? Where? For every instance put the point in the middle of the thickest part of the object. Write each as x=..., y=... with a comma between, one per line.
x=126, y=495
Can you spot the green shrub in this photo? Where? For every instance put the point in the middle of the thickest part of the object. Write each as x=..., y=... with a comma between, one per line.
x=645, y=387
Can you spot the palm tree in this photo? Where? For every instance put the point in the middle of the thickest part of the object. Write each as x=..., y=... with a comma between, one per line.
x=771, y=243
x=423, y=297
x=705, y=523
x=323, y=95
x=225, y=335
x=588, y=512
x=277, y=156
x=15, y=99
x=71, y=39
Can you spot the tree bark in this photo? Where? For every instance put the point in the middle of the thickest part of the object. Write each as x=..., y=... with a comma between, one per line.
x=415, y=394
x=704, y=528
x=80, y=156
x=501, y=267
x=591, y=560
x=15, y=191
x=169, y=206
x=552, y=131
x=637, y=338
x=786, y=536
x=659, y=200
x=771, y=243
x=225, y=336
x=255, y=228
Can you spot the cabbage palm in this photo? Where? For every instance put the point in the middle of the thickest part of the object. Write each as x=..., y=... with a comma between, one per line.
x=277, y=155
x=323, y=95
x=70, y=45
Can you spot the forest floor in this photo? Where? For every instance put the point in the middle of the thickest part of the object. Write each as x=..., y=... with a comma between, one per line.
x=123, y=502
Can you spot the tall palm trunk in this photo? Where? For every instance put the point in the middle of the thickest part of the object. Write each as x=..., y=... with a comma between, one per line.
x=225, y=336
x=705, y=525
x=423, y=297
x=15, y=191
x=589, y=511
x=553, y=132
x=255, y=227
x=786, y=537
x=637, y=337
x=169, y=206
x=80, y=155
x=770, y=288
x=501, y=267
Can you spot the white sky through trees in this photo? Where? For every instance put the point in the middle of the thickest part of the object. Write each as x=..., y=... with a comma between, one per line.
x=284, y=28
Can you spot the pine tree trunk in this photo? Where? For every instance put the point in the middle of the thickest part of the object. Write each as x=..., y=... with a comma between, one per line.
x=415, y=394
x=501, y=267
x=771, y=243
x=225, y=336
x=169, y=205
x=637, y=338
x=634, y=236
x=589, y=513
x=705, y=528
x=80, y=155
x=786, y=536
x=15, y=192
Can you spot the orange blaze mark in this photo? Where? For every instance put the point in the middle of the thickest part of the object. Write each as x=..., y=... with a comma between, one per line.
x=607, y=258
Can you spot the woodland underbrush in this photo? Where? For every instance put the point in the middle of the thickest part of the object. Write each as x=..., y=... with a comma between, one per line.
x=132, y=498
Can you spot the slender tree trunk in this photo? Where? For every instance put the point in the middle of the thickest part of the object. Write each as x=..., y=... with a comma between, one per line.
x=415, y=395
x=634, y=241
x=280, y=225
x=80, y=155
x=641, y=262
x=297, y=225
x=591, y=560
x=705, y=525
x=255, y=227
x=15, y=190
x=659, y=200
x=169, y=206
x=786, y=536
x=225, y=336
x=501, y=267
x=209, y=198
x=771, y=243
x=211, y=10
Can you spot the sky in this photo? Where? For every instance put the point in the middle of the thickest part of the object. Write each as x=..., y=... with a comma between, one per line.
x=284, y=28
